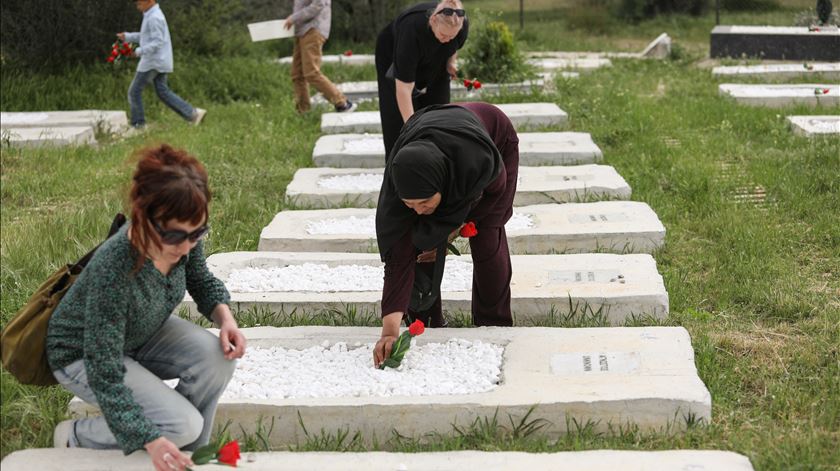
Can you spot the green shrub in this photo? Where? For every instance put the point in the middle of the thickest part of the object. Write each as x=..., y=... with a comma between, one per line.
x=491, y=55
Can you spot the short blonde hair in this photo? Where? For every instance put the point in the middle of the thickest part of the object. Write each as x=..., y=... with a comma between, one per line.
x=448, y=22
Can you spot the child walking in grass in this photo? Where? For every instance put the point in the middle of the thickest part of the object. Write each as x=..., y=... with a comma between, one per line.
x=155, y=53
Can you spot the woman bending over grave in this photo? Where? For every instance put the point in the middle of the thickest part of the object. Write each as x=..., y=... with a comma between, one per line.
x=112, y=340
x=416, y=57
x=451, y=165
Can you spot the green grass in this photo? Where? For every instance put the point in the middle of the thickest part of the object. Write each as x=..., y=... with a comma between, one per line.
x=757, y=286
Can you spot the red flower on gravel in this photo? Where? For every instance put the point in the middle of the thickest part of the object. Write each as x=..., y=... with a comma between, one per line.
x=825, y=91
x=229, y=454
x=468, y=230
x=416, y=328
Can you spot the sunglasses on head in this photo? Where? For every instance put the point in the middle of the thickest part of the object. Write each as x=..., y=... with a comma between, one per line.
x=176, y=237
x=452, y=11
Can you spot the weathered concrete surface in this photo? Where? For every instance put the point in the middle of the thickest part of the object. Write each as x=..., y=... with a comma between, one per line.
x=605, y=226
x=584, y=64
x=108, y=121
x=369, y=90
x=40, y=137
x=522, y=115
x=779, y=71
x=602, y=376
x=811, y=126
x=537, y=185
x=78, y=459
x=535, y=148
x=778, y=95
x=341, y=59
x=606, y=287
x=659, y=48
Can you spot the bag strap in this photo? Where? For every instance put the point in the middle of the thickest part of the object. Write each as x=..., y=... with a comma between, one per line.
x=76, y=268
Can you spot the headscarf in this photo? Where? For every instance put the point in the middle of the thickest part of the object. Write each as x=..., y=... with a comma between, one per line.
x=442, y=148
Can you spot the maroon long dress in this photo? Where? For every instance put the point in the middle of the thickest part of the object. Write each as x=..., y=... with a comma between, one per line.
x=491, y=258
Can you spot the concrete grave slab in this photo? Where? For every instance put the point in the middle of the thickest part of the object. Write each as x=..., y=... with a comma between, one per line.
x=41, y=137
x=606, y=226
x=776, y=42
x=601, y=376
x=583, y=64
x=779, y=71
x=810, y=126
x=776, y=96
x=535, y=148
x=359, y=187
x=341, y=59
x=659, y=48
x=108, y=121
x=369, y=90
x=522, y=115
x=615, y=287
x=79, y=459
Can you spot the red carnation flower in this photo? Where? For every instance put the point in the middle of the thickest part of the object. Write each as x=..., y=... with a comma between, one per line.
x=825, y=91
x=467, y=83
x=416, y=328
x=476, y=84
x=229, y=454
x=110, y=59
x=468, y=230
x=348, y=52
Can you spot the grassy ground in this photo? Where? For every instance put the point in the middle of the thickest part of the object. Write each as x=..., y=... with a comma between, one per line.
x=756, y=285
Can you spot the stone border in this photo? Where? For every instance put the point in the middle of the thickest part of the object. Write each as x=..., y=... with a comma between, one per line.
x=804, y=125
x=48, y=137
x=750, y=94
x=610, y=287
x=78, y=459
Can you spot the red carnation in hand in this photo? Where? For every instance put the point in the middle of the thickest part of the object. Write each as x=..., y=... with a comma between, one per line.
x=229, y=454
x=468, y=230
x=416, y=328
x=476, y=84
x=468, y=83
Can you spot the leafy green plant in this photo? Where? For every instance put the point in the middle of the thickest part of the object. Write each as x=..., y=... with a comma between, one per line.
x=491, y=55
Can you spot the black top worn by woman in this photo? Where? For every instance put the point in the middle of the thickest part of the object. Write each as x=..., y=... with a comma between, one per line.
x=407, y=50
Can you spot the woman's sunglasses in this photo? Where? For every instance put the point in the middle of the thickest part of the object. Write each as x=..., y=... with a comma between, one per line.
x=453, y=11
x=176, y=237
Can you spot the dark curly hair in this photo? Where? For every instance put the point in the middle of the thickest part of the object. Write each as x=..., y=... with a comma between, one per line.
x=167, y=184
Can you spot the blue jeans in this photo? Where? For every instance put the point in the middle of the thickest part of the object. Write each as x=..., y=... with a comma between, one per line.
x=184, y=415
x=167, y=96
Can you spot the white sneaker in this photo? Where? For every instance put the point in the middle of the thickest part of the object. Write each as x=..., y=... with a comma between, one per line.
x=62, y=433
x=199, y=115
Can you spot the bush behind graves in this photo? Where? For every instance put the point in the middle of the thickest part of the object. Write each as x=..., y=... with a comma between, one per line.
x=491, y=55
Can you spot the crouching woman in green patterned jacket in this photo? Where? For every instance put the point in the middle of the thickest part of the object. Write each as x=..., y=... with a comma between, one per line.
x=112, y=340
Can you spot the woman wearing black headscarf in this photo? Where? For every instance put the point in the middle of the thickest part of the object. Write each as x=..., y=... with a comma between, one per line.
x=416, y=56
x=451, y=164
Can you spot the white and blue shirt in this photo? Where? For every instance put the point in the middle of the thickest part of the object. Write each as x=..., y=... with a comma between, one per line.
x=155, y=49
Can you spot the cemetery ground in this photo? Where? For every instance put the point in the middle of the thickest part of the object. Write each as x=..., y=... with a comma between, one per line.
x=751, y=260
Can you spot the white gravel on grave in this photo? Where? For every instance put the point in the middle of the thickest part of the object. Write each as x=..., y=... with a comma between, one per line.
x=361, y=182
x=354, y=182
x=321, y=278
x=457, y=366
x=365, y=145
x=13, y=118
x=367, y=225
